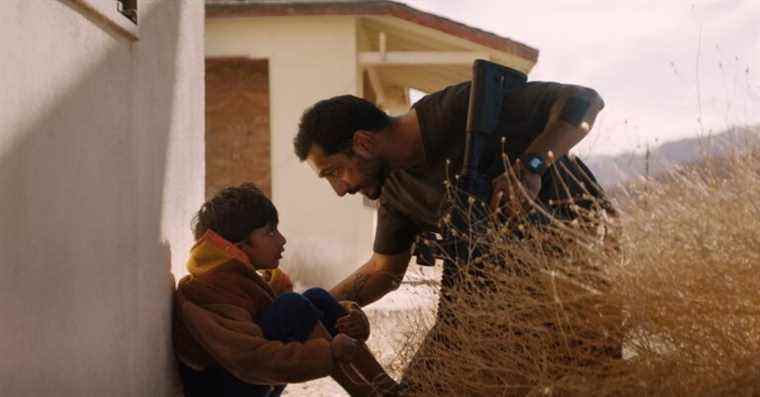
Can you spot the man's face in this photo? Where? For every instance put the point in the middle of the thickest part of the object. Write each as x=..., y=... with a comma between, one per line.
x=348, y=173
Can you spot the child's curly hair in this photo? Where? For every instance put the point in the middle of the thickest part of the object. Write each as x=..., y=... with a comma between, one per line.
x=234, y=213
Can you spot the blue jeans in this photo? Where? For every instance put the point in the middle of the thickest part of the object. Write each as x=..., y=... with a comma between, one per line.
x=290, y=318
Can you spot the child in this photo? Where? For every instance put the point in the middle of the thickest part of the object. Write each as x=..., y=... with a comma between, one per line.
x=234, y=335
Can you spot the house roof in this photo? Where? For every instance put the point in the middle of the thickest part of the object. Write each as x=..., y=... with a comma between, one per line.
x=238, y=8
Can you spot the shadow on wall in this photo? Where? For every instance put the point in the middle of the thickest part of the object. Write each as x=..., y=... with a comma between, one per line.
x=84, y=297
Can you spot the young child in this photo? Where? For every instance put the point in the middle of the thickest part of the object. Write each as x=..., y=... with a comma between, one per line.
x=235, y=335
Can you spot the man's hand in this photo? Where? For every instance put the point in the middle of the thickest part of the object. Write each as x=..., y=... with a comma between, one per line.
x=354, y=324
x=344, y=347
x=513, y=189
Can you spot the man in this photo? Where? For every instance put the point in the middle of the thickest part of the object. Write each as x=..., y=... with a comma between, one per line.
x=403, y=161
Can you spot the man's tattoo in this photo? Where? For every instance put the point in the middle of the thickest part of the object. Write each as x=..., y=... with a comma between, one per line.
x=357, y=286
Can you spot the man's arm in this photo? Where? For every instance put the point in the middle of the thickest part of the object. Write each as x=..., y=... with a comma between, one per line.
x=570, y=118
x=380, y=275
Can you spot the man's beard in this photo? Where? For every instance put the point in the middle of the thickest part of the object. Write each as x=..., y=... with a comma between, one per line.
x=374, y=171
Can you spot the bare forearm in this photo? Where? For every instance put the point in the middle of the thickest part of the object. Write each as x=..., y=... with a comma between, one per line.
x=564, y=131
x=559, y=137
x=366, y=285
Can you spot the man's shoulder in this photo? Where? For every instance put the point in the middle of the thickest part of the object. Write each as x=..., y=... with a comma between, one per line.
x=456, y=97
x=460, y=90
x=529, y=85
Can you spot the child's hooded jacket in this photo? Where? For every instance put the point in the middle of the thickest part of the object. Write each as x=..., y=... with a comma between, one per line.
x=215, y=310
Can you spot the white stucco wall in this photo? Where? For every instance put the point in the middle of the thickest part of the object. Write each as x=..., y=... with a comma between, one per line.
x=310, y=58
x=101, y=166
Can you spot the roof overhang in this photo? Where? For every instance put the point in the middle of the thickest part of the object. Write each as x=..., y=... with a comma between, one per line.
x=398, y=47
x=237, y=8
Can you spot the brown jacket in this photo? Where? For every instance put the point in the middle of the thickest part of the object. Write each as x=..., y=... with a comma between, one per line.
x=215, y=309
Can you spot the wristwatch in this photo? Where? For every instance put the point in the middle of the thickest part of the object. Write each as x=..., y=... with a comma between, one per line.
x=534, y=163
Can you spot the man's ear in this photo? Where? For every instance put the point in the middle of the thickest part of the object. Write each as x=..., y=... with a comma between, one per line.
x=365, y=144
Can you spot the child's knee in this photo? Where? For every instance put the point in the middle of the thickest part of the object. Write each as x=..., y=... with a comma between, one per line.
x=328, y=305
x=290, y=317
x=324, y=301
x=290, y=306
x=318, y=294
x=291, y=301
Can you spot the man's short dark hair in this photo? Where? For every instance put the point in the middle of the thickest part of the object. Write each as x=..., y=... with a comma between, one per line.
x=331, y=124
x=235, y=212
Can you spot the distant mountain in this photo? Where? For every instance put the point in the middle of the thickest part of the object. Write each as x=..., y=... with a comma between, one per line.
x=613, y=170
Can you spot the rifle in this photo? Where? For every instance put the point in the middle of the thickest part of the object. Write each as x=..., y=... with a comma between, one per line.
x=490, y=83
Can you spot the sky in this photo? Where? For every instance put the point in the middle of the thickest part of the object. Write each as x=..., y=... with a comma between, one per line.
x=667, y=69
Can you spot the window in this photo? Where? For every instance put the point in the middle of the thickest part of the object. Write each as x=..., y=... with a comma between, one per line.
x=128, y=8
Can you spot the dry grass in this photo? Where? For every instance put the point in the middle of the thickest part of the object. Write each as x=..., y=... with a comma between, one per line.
x=673, y=279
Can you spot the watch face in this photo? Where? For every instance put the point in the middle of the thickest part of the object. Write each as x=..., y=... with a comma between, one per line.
x=535, y=163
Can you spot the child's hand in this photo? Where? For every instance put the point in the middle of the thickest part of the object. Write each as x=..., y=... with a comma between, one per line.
x=344, y=347
x=355, y=324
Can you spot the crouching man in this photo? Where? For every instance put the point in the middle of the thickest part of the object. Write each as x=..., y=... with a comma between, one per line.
x=404, y=162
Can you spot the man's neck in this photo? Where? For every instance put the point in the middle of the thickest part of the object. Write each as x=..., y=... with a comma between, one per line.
x=405, y=147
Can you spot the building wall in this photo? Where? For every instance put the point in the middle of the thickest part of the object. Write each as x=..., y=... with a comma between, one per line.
x=101, y=166
x=310, y=58
x=237, y=124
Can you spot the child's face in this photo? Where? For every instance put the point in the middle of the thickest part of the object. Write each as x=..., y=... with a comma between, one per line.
x=264, y=247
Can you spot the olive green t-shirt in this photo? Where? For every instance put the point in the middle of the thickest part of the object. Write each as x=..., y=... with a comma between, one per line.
x=412, y=199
